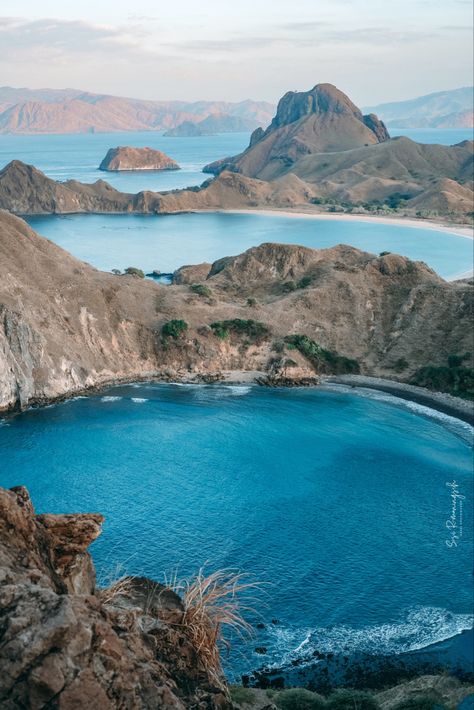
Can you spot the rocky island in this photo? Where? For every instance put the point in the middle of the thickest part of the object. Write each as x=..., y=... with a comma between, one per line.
x=127, y=158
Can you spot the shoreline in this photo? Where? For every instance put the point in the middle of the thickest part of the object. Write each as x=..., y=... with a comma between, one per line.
x=462, y=230
x=439, y=401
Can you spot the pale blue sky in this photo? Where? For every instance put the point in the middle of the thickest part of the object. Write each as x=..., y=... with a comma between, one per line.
x=374, y=50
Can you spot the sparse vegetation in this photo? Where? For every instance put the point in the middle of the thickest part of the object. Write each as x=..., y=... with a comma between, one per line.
x=421, y=702
x=288, y=286
x=400, y=365
x=253, y=329
x=304, y=282
x=201, y=290
x=241, y=695
x=251, y=302
x=117, y=272
x=174, y=328
x=299, y=699
x=351, y=700
x=134, y=271
x=385, y=253
x=325, y=361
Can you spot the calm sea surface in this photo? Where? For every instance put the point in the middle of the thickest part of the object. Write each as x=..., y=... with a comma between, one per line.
x=338, y=501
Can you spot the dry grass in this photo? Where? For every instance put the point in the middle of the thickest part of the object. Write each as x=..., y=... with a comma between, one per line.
x=122, y=587
x=212, y=602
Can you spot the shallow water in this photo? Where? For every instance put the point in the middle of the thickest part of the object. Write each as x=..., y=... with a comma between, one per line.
x=338, y=501
x=167, y=242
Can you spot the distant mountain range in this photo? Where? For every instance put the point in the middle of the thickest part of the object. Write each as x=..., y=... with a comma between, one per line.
x=444, y=109
x=72, y=111
x=214, y=123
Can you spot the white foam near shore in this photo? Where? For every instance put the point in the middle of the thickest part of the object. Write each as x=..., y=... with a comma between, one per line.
x=421, y=627
x=139, y=400
x=109, y=398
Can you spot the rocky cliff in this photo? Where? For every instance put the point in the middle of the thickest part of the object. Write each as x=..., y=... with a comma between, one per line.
x=127, y=158
x=65, y=326
x=64, y=644
x=322, y=120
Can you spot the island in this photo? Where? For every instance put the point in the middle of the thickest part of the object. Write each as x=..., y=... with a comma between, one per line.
x=127, y=158
x=212, y=124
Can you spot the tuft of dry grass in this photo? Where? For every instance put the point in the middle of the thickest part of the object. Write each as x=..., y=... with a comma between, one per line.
x=211, y=602
x=122, y=587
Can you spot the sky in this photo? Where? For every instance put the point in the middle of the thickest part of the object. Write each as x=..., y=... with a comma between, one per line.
x=374, y=50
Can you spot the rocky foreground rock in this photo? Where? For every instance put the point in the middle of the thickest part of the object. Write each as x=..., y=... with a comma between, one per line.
x=66, y=327
x=126, y=158
x=66, y=645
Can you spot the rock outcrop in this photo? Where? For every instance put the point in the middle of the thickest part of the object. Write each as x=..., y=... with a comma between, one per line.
x=322, y=120
x=64, y=644
x=127, y=158
x=214, y=123
x=66, y=327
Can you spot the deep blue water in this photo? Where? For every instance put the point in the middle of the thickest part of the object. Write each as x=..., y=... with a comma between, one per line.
x=167, y=242
x=338, y=501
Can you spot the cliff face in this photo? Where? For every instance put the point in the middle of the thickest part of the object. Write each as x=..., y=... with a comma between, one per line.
x=65, y=645
x=322, y=120
x=65, y=326
x=127, y=158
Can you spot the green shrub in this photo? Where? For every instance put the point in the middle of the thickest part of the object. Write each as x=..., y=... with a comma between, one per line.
x=304, y=282
x=351, y=700
x=289, y=286
x=251, y=328
x=385, y=253
x=421, y=702
x=201, y=290
x=455, y=380
x=174, y=328
x=325, y=361
x=457, y=360
x=400, y=364
x=251, y=302
x=117, y=272
x=298, y=699
x=241, y=695
x=133, y=271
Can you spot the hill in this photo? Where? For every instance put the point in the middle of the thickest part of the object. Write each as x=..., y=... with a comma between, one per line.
x=443, y=109
x=71, y=111
x=66, y=327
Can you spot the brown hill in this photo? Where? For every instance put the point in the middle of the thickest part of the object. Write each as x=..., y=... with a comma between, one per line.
x=321, y=120
x=65, y=326
x=128, y=158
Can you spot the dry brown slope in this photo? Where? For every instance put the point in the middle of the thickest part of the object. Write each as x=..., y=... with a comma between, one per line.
x=65, y=326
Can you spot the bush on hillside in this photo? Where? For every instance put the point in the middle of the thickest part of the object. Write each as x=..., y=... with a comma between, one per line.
x=298, y=699
x=325, y=361
x=253, y=329
x=201, y=290
x=351, y=700
x=455, y=380
x=421, y=702
x=133, y=271
x=174, y=328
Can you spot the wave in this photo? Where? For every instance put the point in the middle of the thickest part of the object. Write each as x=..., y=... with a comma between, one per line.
x=421, y=627
x=109, y=398
x=139, y=400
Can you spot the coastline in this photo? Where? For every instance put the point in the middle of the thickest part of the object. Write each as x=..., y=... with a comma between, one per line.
x=461, y=230
x=439, y=401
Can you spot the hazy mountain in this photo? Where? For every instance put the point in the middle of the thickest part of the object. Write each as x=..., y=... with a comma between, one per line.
x=72, y=111
x=215, y=123
x=444, y=109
